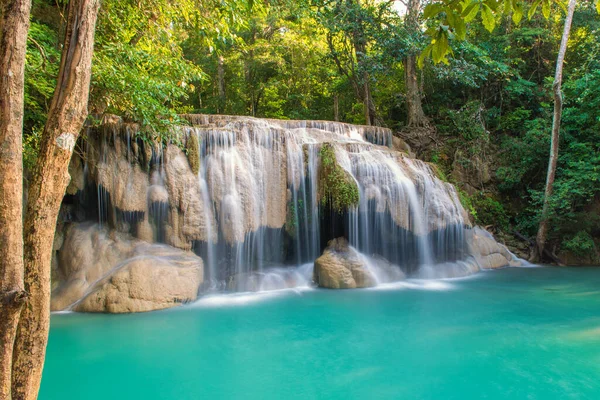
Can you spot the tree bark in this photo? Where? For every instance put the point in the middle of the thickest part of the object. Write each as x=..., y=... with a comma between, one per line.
x=414, y=108
x=359, y=42
x=371, y=117
x=221, y=83
x=558, y=102
x=14, y=24
x=366, y=101
x=50, y=177
x=360, y=48
x=336, y=107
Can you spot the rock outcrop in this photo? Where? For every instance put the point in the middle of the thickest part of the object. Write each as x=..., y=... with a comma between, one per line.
x=471, y=171
x=101, y=271
x=488, y=253
x=248, y=195
x=342, y=267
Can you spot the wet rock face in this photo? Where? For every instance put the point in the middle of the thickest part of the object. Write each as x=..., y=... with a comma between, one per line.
x=342, y=267
x=470, y=172
x=488, y=253
x=146, y=284
x=102, y=271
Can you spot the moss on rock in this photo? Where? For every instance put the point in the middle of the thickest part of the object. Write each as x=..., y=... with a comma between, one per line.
x=192, y=150
x=438, y=172
x=337, y=188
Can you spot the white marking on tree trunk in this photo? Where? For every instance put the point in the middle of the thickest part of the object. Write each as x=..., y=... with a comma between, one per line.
x=66, y=141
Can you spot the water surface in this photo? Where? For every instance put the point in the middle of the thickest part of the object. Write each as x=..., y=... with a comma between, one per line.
x=528, y=333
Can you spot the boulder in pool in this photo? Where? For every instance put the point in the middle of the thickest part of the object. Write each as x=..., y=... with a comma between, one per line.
x=342, y=267
x=103, y=271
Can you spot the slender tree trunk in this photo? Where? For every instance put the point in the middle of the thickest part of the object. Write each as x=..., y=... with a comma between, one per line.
x=366, y=100
x=371, y=117
x=221, y=83
x=336, y=107
x=414, y=108
x=50, y=177
x=14, y=23
x=558, y=101
x=360, y=49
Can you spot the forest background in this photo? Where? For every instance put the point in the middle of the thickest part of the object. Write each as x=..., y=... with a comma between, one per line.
x=482, y=114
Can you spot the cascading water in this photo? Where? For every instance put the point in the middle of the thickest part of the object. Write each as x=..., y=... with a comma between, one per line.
x=252, y=207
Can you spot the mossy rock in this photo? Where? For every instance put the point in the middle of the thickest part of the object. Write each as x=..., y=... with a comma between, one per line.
x=192, y=150
x=337, y=188
x=291, y=220
x=438, y=172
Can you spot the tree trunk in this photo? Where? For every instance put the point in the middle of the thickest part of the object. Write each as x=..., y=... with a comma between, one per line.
x=50, y=177
x=336, y=107
x=14, y=23
x=359, y=42
x=414, y=109
x=221, y=83
x=360, y=48
x=558, y=101
x=415, y=115
x=366, y=100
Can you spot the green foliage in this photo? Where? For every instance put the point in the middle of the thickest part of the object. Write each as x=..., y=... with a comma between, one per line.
x=276, y=67
x=139, y=71
x=467, y=203
x=489, y=92
x=582, y=244
x=41, y=68
x=489, y=211
x=337, y=187
x=469, y=122
x=437, y=170
x=291, y=220
x=31, y=142
x=448, y=19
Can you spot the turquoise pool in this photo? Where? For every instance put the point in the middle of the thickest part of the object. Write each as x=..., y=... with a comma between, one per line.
x=528, y=333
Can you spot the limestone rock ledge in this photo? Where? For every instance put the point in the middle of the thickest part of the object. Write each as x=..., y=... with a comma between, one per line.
x=488, y=253
x=103, y=271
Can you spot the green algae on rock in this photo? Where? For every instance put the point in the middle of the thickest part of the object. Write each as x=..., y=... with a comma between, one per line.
x=337, y=187
x=192, y=150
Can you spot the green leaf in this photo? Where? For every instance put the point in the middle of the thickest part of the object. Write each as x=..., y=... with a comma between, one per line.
x=546, y=9
x=440, y=47
x=460, y=29
x=470, y=12
x=492, y=4
x=517, y=14
x=424, y=54
x=489, y=22
x=431, y=10
x=598, y=6
x=532, y=9
x=561, y=4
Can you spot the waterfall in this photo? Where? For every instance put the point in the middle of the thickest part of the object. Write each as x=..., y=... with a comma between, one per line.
x=252, y=208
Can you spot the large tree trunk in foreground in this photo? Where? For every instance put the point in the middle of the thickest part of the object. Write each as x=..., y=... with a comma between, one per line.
x=414, y=108
x=558, y=101
x=14, y=23
x=50, y=178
